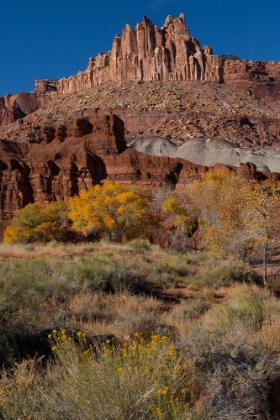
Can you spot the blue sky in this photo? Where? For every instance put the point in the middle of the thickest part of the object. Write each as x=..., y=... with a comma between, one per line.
x=54, y=38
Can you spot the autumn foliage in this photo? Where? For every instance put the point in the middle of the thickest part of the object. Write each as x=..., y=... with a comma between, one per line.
x=118, y=211
x=36, y=223
x=237, y=216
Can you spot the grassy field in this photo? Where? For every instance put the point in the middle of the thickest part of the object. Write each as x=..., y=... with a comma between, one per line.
x=196, y=337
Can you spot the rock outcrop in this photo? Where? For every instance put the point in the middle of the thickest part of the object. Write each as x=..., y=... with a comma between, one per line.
x=75, y=156
x=46, y=86
x=14, y=107
x=208, y=152
x=260, y=78
x=81, y=153
x=149, y=53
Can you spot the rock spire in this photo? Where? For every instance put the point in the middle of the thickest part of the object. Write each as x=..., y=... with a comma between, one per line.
x=149, y=53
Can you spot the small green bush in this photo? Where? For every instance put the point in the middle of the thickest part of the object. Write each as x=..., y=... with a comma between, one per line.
x=216, y=276
x=140, y=246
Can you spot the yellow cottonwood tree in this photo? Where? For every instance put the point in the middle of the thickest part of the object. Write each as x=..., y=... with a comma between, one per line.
x=36, y=223
x=264, y=212
x=177, y=207
x=120, y=212
x=237, y=216
x=221, y=203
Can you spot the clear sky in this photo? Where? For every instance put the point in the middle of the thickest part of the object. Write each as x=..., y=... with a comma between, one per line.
x=54, y=39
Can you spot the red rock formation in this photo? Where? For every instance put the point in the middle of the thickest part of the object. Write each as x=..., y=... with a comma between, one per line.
x=260, y=78
x=149, y=53
x=76, y=156
x=13, y=107
x=46, y=86
x=80, y=154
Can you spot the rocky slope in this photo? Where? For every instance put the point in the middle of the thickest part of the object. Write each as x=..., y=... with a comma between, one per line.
x=177, y=110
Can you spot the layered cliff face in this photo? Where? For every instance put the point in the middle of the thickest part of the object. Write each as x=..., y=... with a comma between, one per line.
x=149, y=53
x=81, y=153
x=261, y=78
x=75, y=156
x=14, y=107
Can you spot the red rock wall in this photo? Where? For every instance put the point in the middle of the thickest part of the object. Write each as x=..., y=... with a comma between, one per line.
x=76, y=156
x=80, y=154
x=46, y=86
x=13, y=107
x=261, y=78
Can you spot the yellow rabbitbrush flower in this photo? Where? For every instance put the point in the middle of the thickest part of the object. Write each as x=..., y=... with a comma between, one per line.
x=134, y=380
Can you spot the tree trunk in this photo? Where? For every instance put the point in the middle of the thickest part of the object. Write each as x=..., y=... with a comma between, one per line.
x=265, y=264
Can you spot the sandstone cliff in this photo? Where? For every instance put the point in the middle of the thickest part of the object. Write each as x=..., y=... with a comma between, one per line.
x=82, y=153
x=14, y=107
x=261, y=78
x=75, y=156
x=149, y=53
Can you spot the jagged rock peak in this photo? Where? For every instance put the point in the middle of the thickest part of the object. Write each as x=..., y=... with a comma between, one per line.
x=149, y=53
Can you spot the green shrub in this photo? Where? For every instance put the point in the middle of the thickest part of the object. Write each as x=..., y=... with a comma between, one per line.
x=192, y=309
x=229, y=57
x=215, y=276
x=140, y=246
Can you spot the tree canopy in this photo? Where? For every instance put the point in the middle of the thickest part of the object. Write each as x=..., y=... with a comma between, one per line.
x=38, y=223
x=179, y=207
x=119, y=211
x=236, y=216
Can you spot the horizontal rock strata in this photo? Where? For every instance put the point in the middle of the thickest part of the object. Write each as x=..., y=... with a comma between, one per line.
x=82, y=153
x=14, y=107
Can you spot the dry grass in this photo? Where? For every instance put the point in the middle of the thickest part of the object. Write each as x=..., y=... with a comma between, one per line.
x=231, y=327
x=110, y=306
x=50, y=250
x=270, y=334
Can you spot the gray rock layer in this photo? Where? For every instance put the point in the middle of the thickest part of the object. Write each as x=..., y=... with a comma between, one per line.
x=207, y=153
